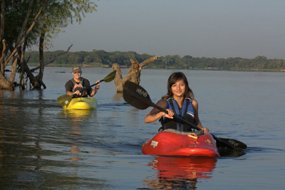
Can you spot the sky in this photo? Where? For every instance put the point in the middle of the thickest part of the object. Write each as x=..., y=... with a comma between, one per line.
x=199, y=28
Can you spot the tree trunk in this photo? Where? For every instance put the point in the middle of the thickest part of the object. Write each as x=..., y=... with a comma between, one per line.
x=118, y=77
x=13, y=70
x=38, y=80
x=2, y=13
x=5, y=84
x=134, y=72
x=41, y=56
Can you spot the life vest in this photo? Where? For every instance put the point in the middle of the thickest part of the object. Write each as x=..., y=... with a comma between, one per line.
x=186, y=113
x=82, y=89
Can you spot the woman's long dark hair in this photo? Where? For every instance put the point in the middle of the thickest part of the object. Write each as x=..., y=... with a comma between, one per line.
x=173, y=78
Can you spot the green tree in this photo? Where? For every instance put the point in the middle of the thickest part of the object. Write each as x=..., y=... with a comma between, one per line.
x=26, y=23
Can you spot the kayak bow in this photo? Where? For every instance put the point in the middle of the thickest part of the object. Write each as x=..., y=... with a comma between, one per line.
x=82, y=103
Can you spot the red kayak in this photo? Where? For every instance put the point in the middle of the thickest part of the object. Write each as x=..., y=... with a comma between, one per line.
x=174, y=143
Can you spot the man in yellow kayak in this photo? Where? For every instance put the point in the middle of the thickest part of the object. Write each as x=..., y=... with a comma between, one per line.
x=79, y=86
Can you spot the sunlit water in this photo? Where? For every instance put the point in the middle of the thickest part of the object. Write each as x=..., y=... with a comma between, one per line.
x=42, y=147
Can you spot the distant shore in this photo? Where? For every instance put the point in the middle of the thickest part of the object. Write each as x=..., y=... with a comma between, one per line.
x=101, y=58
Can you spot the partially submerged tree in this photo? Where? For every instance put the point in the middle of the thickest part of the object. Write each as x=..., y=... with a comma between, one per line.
x=134, y=72
x=26, y=23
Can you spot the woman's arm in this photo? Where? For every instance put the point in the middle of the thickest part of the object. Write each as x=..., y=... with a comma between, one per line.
x=196, y=115
x=155, y=114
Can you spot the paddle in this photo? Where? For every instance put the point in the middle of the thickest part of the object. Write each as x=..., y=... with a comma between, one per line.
x=65, y=99
x=138, y=97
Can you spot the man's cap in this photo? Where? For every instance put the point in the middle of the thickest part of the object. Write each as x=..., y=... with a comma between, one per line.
x=76, y=69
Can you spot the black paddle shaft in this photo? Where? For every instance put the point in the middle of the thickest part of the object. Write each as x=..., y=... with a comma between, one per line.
x=97, y=83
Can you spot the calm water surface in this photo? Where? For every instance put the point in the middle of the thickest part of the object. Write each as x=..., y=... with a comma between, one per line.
x=42, y=147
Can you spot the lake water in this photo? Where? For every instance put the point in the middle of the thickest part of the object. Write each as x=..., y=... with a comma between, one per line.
x=42, y=147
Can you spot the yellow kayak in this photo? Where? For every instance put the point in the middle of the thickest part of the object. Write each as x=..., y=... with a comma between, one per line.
x=81, y=104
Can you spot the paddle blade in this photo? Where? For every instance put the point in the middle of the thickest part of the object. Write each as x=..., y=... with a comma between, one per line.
x=107, y=78
x=136, y=95
x=110, y=77
x=230, y=147
x=233, y=142
x=64, y=99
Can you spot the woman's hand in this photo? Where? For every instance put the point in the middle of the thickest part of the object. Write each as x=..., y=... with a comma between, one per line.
x=169, y=114
x=205, y=130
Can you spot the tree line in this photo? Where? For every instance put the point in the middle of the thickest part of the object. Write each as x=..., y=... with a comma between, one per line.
x=101, y=58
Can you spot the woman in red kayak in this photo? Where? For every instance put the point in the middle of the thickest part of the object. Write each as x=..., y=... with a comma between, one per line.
x=178, y=101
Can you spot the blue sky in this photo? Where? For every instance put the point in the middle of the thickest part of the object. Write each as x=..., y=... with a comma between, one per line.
x=200, y=28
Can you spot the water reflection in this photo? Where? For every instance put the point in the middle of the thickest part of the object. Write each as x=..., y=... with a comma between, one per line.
x=180, y=172
x=41, y=149
x=76, y=119
x=75, y=132
x=77, y=114
x=117, y=97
